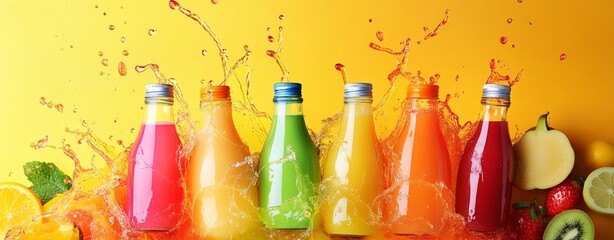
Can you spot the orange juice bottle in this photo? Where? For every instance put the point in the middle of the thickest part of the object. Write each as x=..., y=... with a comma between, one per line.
x=219, y=178
x=353, y=172
x=419, y=161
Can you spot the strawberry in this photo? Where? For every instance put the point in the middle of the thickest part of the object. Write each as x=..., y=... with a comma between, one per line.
x=567, y=195
x=527, y=220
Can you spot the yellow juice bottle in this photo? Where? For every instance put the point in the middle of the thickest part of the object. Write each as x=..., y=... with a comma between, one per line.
x=219, y=180
x=353, y=171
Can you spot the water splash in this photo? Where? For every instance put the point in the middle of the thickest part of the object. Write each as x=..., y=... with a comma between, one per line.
x=285, y=77
x=344, y=72
x=50, y=104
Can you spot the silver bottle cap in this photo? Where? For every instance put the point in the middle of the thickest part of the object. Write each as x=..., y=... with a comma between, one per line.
x=158, y=90
x=496, y=91
x=358, y=90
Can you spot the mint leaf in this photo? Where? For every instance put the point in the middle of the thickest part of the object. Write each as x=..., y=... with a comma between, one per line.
x=47, y=180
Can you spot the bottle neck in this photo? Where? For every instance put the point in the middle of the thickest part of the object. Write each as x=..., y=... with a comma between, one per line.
x=288, y=108
x=494, y=109
x=422, y=104
x=217, y=113
x=357, y=107
x=158, y=112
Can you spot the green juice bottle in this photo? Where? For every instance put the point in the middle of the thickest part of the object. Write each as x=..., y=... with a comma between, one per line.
x=289, y=168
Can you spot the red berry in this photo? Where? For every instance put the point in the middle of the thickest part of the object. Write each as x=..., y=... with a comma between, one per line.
x=527, y=221
x=565, y=196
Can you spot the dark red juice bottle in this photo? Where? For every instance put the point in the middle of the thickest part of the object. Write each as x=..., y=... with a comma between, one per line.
x=155, y=191
x=486, y=169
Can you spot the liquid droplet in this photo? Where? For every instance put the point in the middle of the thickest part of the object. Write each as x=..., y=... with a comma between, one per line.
x=520, y=1
x=132, y=130
x=121, y=68
x=513, y=45
x=271, y=39
x=510, y=20
x=370, y=20
x=60, y=108
x=125, y=52
x=503, y=39
x=282, y=17
x=84, y=123
x=270, y=53
x=173, y=4
x=339, y=66
x=202, y=81
x=123, y=39
x=74, y=110
x=105, y=62
x=42, y=100
x=101, y=73
x=215, y=1
x=10, y=174
x=204, y=52
x=563, y=56
x=380, y=36
x=530, y=22
x=111, y=27
x=426, y=29
x=268, y=29
x=100, y=53
x=151, y=32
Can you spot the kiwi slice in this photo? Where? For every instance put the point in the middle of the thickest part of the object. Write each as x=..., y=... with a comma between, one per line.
x=570, y=224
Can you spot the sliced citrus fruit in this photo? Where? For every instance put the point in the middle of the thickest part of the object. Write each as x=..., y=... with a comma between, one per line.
x=18, y=206
x=51, y=230
x=599, y=190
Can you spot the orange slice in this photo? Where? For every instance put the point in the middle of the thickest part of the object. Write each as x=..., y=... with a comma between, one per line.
x=18, y=207
x=52, y=230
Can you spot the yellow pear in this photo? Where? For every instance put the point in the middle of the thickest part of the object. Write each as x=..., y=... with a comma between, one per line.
x=544, y=157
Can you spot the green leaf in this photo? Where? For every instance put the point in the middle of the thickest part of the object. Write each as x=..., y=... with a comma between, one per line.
x=532, y=214
x=519, y=205
x=47, y=180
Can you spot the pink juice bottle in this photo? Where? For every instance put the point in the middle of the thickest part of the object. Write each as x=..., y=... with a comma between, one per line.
x=486, y=169
x=155, y=191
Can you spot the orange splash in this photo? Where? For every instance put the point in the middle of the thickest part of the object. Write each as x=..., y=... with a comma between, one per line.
x=344, y=72
x=496, y=77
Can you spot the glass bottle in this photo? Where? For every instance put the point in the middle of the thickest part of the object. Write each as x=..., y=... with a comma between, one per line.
x=289, y=168
x=486, y=169
x=419, y=164
x=353, y=172
x=155, y=191
x=219, y=179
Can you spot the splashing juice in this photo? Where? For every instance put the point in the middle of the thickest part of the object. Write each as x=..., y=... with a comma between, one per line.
x=289, y=168
x=219, y=181
x=419, y=161
x=155, y=191
x=353, y=171
x=486, y=169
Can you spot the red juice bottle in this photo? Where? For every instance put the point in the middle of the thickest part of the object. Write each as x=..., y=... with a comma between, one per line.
x=155, y=191
x=486, y=169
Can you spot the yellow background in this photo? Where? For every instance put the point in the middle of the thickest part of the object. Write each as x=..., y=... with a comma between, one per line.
x=50, y=49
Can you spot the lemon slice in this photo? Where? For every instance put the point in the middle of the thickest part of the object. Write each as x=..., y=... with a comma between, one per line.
x=599, y=190
x=18, y=206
